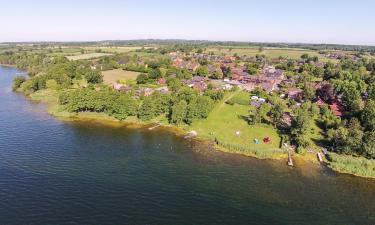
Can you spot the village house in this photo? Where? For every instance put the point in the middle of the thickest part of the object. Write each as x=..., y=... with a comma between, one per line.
x=163, y=90
x=117, y=86
x=144, y=91
x=197, y=82
x=295, y=94
x=337, y=108
x=161, y=81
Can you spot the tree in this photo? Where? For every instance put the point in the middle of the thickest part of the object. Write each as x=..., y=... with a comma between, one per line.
x=260, y=114
x=326, y=92
x=199, y=108
x=142, y=78
x=179, y=111
x=148, y=109
x=187, y=94
x=94, y=77
x=277, y=110
x=308, y=91
x=369, y=144
x=202, y=71
x=227, y=71
x=174, y=84
x=305, y=56
x=52, y=84
x=17, y=82
x=302, y=127
x=328, y=118
x=217, y=74
x=155, y=74
x=368, y=115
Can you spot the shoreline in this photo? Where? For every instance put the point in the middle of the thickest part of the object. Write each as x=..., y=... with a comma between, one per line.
x=102, y=118
x=9, y=65
x=55, y=110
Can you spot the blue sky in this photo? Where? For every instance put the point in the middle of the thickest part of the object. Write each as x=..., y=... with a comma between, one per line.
x=309, y=21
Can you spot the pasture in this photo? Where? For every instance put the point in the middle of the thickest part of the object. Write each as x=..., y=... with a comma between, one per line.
x=112, y=76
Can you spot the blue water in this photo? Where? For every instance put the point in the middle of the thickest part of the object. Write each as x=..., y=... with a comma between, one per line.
x=54, y=172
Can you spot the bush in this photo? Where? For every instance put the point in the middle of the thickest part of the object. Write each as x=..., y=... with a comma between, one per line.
x=17, y=82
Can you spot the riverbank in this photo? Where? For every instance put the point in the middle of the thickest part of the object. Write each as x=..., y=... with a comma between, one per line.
x=343, y=164
x=8, y=65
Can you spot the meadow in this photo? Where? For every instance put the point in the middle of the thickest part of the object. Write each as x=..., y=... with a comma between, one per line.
x=112, y=76
x=226, y=120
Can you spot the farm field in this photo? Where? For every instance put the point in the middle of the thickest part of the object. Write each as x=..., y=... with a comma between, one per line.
x=119, y=49
x=87, y=56
x=269, y=52
x=111, y=76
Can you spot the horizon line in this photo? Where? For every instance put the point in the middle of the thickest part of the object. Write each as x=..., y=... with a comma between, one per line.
x=187, y=40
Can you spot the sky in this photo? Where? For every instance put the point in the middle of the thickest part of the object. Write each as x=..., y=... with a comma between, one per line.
x=297, y=21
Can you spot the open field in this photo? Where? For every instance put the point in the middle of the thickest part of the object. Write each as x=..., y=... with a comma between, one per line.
x=225, y=120
x=111, y=76
x=115, y=49
x=87, y=56
x=268, y=52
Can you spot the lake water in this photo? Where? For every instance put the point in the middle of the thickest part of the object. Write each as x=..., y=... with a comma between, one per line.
x=54, y=172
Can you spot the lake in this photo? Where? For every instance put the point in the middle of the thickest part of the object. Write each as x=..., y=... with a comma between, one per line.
x=55, y=172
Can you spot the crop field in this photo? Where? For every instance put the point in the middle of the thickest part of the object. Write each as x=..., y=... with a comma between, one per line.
x=123, y=49
x=112, y=76
x=87, y=56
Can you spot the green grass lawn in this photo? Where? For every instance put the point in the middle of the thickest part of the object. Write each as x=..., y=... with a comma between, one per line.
x=112, y=76
x=225, y=120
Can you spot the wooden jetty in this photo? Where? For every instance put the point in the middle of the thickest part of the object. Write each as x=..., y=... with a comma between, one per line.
x=191, y=134
x=290, y=160
x=153, y=127
x=319, y=157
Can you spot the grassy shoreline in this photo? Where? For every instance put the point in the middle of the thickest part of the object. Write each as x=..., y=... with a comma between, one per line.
x=340, y=163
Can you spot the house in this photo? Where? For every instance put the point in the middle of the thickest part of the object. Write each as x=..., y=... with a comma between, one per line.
x=200, y=86
x=193, y=66
x=271, y=73
x=295, y=94
x=163, y=90
x=337, y=108
x=287, y=119
x=161, y=81
x=118, y=86
x=197, y=82
x=227, y=87
x=177, y=62
x=320, y=102
x=144, y=91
